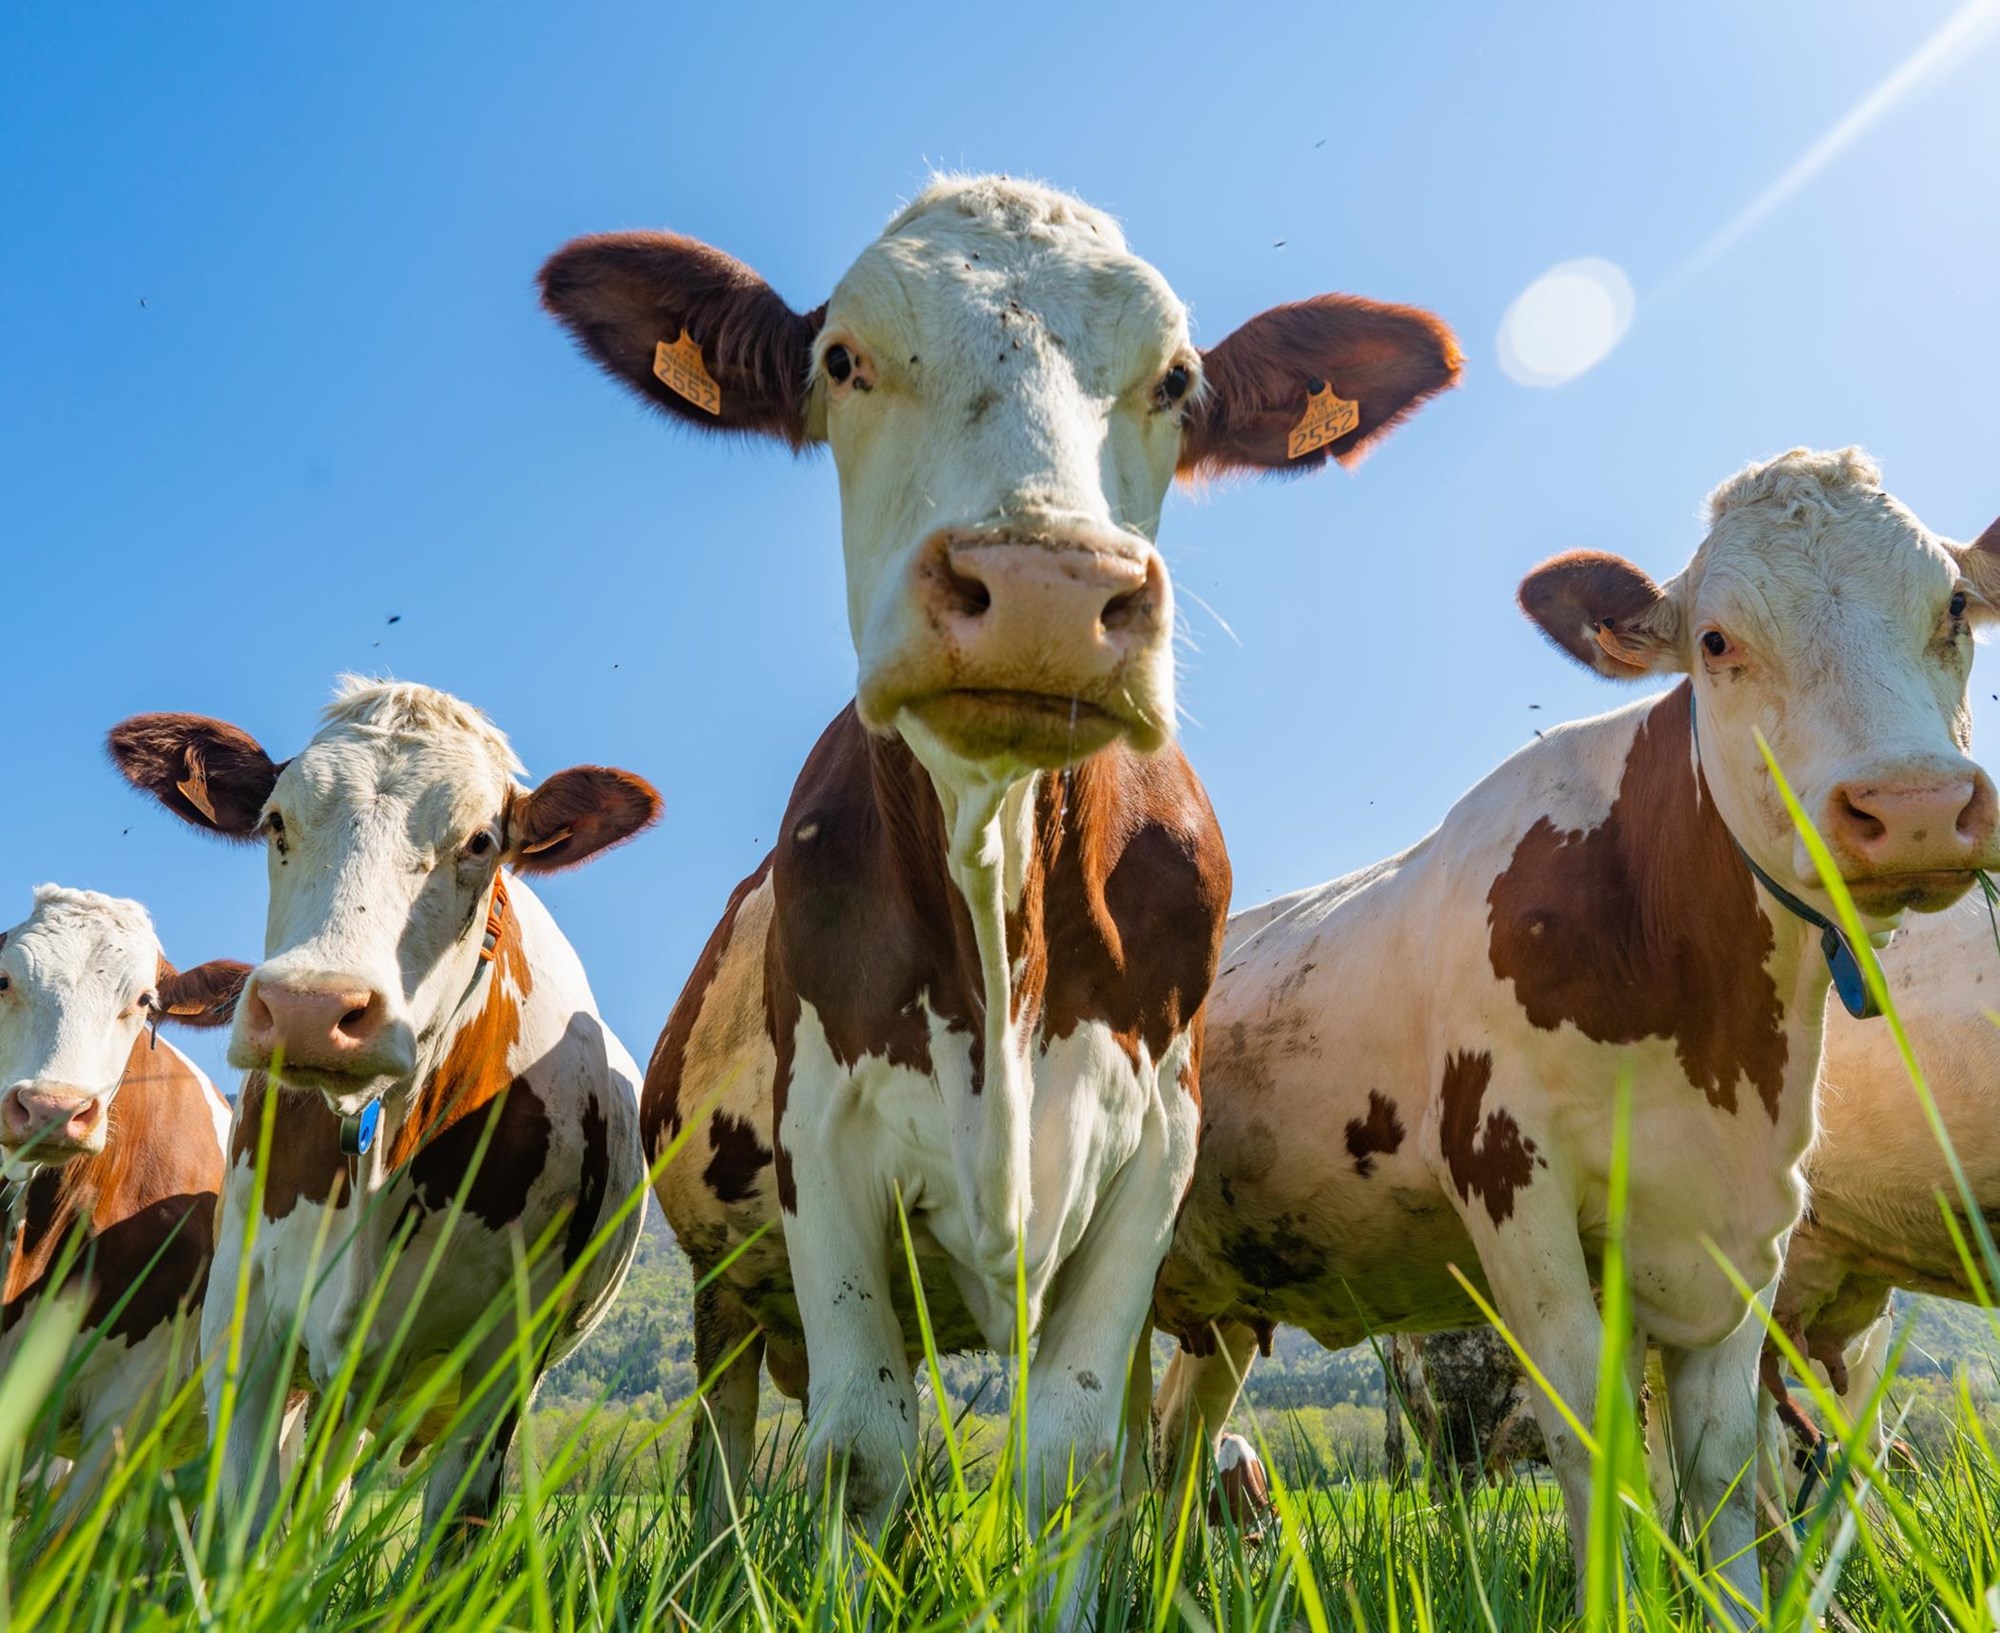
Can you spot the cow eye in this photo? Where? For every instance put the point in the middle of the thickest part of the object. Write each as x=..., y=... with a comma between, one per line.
x=1715, y=643
x=274, y=825
x=1173, y=385
x=479, y=844
x=6, y=983
x=1957, y=608
x=839, y=364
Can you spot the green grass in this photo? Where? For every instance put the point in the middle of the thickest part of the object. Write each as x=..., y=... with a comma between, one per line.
x=597, y=1531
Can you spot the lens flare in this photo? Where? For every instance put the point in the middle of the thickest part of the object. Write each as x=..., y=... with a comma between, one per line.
x=1566, y=322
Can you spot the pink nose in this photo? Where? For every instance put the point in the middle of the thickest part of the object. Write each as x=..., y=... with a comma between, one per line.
x=334, y=1027
x=59, y=1119
x=1939, y=823
x=1045, y=616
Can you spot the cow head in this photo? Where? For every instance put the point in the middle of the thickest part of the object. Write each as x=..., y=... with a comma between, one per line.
x=1822, y=613
x=1007, y=391
x=384, y=838
x=80, y=978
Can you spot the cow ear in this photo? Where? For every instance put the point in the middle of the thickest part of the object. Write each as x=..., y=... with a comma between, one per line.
x=693, y=331
x=203, y=996
x=575, y=814
x=206, y=772
x=1606, y=614
x=1979, y=561
x=1320, y=379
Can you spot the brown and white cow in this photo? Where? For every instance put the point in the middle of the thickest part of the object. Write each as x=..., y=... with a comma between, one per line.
x=113, y=1158
x=971, y=974
x=1875, y=1174
x=407, y=973
x=1413, y=1067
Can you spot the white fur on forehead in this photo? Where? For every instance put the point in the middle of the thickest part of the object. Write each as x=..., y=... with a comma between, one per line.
x=56, y=904
x=1019, y=207
x=403, y=708
x=1801, y=483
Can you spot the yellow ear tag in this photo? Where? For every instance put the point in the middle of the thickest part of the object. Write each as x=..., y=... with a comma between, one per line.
x=1327, y=419
x=680, y=369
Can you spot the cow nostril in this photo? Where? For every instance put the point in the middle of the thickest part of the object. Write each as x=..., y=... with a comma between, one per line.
x=966, y=593
x=355, y=1021
x=1124, y=609
x=1864, y=824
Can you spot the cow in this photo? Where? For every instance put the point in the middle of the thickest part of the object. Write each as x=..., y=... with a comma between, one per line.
x=1877, y=1182
x=1413, y=1068
x=112, y=1142
x=1241, y=1495
x=967, y=982
x=439, y=1068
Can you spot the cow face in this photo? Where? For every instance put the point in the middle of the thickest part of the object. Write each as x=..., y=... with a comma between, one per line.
x=1821, y=613
x=80, y=979
x=384, y=839
x=1007, y=392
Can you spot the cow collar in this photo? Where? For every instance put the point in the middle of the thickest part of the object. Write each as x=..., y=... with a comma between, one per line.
x=357, y=1133
x=1841, y=963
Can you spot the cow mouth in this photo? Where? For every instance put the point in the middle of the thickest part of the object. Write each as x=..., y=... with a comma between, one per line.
x=345, y=1093
x=1040, y=729
x=1884, y=895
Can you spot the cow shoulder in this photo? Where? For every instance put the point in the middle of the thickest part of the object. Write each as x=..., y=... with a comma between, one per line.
x=1647, y=925
x=1134, y=895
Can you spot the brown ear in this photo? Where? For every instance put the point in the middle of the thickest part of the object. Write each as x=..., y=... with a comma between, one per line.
x=203, y=996
x=1606, y=614
x=575, y=814
x=206, y=772
x=626, y=295
x=1980, y=562
x=1387, y=361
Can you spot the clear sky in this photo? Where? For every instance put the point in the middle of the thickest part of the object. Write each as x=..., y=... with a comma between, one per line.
x=272, y=372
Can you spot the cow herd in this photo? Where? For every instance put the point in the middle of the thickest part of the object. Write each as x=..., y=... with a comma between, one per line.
x=985, y=996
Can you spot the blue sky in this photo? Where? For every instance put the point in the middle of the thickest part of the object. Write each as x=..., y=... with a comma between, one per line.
x=274, y=372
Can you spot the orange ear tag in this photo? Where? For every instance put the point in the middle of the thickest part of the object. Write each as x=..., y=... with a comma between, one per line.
x=1327, y=419
x=680, y=369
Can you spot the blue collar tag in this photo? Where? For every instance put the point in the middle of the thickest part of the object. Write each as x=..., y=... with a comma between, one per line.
x=1848, y=980
x=357, y=1133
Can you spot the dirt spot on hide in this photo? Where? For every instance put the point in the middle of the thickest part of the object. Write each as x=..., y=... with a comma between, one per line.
x=1379, y=1133
x=1277, y=1257
x=1647, y=926
x=1256, y=1154
x=1492, y=1162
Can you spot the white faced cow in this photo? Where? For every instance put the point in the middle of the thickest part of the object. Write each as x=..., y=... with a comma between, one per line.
x=422, y=1004
x=1413, y=1067
x=113, y=1157
x=969, y=979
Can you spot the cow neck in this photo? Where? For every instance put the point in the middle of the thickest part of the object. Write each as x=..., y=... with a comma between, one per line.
x=358, y=1133
x=990, y=833
x=1841, y=964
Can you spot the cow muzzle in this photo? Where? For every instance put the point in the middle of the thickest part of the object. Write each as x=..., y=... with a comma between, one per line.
x=1037, y=647
x=336, y=1036
x=1910, y=837
x=52, y=1122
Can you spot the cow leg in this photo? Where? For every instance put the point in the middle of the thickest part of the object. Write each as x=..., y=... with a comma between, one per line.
x=250, y=1474
x=1541, y=1284
x=861, y=1420
x=475, y=1454
x=1097, y=1314
x=1867, y=1360
x=1195, y=1400
x=725, y=1420
x=1712, y=1404
x=1138, y=1417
